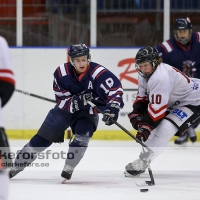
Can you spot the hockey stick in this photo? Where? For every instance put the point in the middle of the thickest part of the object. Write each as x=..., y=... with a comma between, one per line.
x=34, y=95
x=134, y=90
x=51, y=100
x=151, y=182
x=151, y=153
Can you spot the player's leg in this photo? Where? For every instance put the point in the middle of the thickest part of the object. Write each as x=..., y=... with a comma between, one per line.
x=83, y=131
x=51, y=131
x=177, y=120
x=5, y=162
x=28, y=154
x=157, y=142
x=4, y=184
x=183, y=139
x=192, y=133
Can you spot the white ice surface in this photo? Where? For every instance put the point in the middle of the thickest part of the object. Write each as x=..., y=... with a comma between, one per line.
x=99, y=176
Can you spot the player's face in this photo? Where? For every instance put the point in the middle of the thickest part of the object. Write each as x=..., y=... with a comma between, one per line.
x=184, y=34
x=80, y=64
x=146, y=68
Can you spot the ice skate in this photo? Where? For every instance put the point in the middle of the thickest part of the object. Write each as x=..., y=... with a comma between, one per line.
x=182, y=140
x=13, y=172
x=135, y=168
x=67, y=173
x=192, y=135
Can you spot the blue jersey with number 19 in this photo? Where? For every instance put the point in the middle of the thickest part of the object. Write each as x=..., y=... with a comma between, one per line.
x=102, y=83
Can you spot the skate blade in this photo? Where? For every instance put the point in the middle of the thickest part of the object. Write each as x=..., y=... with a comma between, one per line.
x=181, y=146
x=64, y=181
x=146, y=183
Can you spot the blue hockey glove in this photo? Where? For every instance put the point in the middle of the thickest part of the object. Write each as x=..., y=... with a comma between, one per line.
x=144, y=130
x=80, y=102
x=135, y=117
x=110, y=115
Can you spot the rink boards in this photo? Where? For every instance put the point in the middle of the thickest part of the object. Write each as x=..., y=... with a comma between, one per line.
x=34, y=68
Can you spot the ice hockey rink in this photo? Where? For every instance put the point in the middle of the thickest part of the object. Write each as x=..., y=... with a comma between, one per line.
x=100, y=174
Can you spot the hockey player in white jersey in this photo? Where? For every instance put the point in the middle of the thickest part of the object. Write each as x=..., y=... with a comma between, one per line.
x=7, y=86
x=167, y=103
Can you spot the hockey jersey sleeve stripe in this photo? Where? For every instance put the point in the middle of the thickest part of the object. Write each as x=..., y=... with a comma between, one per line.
x=140, y=99
x=116, y=88
x=115, y=101
x=63, y=70
x=63, y=94
x=66, y=68
x=94, y=69
x=119, y=90
x=6, y=71
x=97, y=71
x=7, y=75
x=6, y=79
x=59, y=72
x=157, y=114
x=100, y=73
x=156, y=118
x=62, y=105
x=198, y=36
x=159, y=110
x=166, y=45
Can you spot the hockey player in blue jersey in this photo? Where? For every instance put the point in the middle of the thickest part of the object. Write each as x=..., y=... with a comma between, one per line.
x=182, y=52
x=75, y=83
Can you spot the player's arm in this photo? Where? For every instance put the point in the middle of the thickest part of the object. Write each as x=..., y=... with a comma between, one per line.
x=157, y=107
x=109, y=88
x=7, y=80
x=6, y=91
x=139, y=105
x=64, y=98
x=7, y=86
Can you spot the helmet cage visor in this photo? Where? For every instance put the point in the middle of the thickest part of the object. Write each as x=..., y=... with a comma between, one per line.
x=145, y=75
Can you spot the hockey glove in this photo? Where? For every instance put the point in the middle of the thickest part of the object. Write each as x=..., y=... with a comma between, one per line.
x=80, y=102
x=135, y=118
x=144, y=130
x=111, y=113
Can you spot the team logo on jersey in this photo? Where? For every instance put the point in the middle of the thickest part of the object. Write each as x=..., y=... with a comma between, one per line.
x=188, y=63
x=195, y=85
x=179, y=113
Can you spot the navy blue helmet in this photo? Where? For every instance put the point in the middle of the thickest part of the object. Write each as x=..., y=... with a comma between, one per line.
x=183, y=24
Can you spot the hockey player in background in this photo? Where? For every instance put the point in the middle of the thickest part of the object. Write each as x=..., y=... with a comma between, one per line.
x=75, y=83
x=167, y=102
x=182, y=52
x=7, y=86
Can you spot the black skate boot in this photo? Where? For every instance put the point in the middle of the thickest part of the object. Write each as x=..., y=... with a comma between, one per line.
x=13, y=172
x=67, y=172
x=135, y=168
x=192, y=134
x=182, y=139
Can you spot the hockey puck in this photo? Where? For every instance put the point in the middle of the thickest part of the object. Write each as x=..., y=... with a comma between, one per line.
x=144, y=190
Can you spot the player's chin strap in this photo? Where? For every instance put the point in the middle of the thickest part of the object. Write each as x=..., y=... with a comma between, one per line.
x=145, y=156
